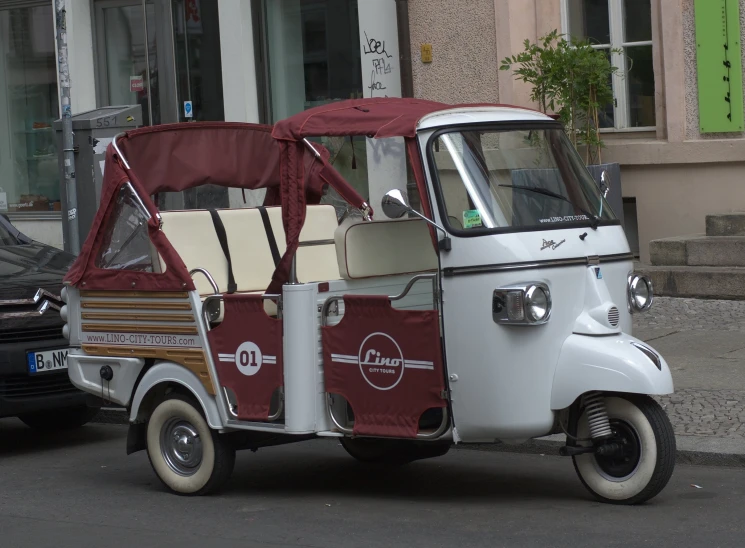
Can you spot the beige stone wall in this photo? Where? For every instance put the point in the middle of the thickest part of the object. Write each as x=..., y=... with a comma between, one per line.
x=674, y=199
x=691, y=83
x=465, y=64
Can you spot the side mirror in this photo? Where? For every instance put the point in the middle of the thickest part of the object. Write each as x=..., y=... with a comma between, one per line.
x=605, y=183
x=394, y=204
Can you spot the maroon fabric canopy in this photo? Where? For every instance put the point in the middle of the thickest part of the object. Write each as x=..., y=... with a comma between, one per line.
x=176, y=157
x=380, y=118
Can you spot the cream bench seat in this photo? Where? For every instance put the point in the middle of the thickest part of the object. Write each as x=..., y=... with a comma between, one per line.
x=193, y=236
x=366, y=249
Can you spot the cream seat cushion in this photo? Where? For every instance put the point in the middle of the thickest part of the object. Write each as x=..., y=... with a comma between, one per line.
x=193, y=236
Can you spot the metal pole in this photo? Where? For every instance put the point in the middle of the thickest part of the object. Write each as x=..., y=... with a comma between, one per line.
x=147, y=67
x=67, y=136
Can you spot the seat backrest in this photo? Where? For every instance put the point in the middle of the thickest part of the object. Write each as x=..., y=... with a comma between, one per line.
x=384, y=248
x=192, y=234
x=318, y=262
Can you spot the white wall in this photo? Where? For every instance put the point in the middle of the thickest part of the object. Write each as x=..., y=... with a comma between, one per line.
x=240, y=88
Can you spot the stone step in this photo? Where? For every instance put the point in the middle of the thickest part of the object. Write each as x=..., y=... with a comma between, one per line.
x=702, y=282
x=698, y=250
x=725, y=224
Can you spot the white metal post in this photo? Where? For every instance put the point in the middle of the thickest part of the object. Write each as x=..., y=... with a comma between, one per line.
x=67, y=136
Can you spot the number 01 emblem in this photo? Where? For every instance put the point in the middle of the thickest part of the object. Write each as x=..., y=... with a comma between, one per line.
x=248, y=358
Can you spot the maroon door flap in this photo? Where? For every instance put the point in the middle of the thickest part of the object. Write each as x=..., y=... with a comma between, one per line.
x=247, y=351
x=387, y=363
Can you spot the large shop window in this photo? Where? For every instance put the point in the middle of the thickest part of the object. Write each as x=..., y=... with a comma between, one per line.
x=314, y=57
x=625, y=26
x=29, y=174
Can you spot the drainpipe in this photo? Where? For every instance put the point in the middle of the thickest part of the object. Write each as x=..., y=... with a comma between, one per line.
x=67, y=138
x=404, y=48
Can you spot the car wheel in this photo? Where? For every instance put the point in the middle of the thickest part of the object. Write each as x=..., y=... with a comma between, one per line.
x=60, y=419
x=186, y=454
x=646, y=465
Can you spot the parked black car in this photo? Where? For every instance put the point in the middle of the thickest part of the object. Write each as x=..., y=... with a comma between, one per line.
x=34, y=385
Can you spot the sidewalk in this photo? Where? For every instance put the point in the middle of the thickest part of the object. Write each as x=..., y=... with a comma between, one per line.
x=703, y=342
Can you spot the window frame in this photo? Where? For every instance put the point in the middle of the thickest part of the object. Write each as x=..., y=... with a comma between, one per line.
x=439, y=195
x=619, y=80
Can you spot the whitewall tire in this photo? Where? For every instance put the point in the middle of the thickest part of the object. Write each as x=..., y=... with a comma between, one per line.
x=644, y=429
x=185, y=453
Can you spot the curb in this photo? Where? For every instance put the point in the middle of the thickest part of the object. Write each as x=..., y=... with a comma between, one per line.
x=695, y=450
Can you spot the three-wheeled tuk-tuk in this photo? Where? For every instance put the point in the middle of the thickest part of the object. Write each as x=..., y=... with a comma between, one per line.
x=499, y=308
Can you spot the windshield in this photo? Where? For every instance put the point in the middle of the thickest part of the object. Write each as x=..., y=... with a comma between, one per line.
x=491, y=179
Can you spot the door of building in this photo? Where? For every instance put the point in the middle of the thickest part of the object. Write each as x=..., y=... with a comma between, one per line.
x=163, y=55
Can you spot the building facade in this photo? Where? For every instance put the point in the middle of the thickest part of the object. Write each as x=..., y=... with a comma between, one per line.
x=263, y=60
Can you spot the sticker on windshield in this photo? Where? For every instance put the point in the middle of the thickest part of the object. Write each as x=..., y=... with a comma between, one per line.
x=564, y=219
x=472, y=218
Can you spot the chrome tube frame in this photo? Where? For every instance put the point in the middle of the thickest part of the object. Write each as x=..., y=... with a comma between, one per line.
x=324, y=322
x=118, y=151
x=420, y=436
x=270, y=418
x=209, y=277
x=218, y=297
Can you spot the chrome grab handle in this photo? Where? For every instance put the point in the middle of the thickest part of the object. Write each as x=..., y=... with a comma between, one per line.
x=218, y=297
x=207, y=275
x=336, y=298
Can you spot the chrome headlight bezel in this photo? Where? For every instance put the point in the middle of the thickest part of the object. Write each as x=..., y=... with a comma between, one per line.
x=633, y=283
x=518, y=304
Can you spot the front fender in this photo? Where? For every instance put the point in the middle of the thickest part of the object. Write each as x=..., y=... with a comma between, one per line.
x=609, y=364
x=171, y=372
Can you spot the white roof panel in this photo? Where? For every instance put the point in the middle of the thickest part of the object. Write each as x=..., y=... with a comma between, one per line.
x=476, y=115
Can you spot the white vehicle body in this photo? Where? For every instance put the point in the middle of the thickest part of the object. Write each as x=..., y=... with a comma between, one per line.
x=503, y=381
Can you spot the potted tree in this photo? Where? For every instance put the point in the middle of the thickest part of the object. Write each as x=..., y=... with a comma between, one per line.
x=571, y=81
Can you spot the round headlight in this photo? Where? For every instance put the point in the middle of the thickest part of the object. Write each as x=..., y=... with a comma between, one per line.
x=537, y=303
x=640, y=293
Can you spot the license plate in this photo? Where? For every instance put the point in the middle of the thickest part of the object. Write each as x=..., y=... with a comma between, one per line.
x=47, y=360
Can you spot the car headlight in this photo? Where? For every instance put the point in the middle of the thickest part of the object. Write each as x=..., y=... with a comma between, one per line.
x=522, y=304
x=640, y=293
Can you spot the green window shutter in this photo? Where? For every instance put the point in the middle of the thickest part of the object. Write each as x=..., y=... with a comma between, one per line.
x=719, y=66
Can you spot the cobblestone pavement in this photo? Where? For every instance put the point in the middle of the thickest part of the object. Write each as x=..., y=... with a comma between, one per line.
x=719, y=413
x=693, y=314
x=700, y=411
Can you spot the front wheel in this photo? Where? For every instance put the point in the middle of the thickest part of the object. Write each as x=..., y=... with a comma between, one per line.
x=644, y=431
x=186, y=454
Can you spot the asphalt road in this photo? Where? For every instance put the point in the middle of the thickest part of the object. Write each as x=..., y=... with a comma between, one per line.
x=80, y=490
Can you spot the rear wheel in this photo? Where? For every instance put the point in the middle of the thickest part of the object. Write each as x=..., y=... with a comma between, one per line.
x=60, y=419
x=392, y=452
x=186, y=454
x=644, y=466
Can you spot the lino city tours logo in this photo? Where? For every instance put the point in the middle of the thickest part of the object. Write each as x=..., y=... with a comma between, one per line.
x=381, y=361
x=248, y=358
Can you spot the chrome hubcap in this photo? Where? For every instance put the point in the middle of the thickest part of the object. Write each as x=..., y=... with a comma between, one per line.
x=181, y=446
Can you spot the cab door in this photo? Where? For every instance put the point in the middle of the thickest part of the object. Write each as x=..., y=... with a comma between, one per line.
x=499, y=376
